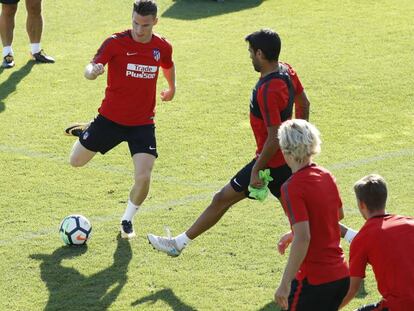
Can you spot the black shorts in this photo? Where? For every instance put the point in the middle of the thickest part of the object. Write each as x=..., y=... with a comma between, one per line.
x=373, y=307
x=103, y=135
x=240, y=182
x=9, y=1
x=323, y=297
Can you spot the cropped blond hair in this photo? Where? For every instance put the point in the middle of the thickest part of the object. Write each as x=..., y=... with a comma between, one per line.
x=299, y=139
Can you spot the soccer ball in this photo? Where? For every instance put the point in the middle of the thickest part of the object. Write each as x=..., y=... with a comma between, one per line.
x=75, y=230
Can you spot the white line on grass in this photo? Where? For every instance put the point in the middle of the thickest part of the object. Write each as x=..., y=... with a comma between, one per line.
x=185, y=200
x=30, y=235
x=381, y=157
x=177, y=181
x=102, y=167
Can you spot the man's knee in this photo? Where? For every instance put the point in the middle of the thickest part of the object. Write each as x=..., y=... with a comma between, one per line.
x=76, y=161
x=221, y=199
x=143, y=178
x=34, y=8
x=9, y=10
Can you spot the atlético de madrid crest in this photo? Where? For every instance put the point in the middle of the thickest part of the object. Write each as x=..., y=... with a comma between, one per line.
x=156, y=53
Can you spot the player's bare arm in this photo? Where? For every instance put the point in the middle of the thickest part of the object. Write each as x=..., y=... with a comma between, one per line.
x=352, y=291
x=269, y=149
x=92, y=71
x=169, y=74
x=284, y=242
x=347, y=234
x=341, y=214
x=298, y=251
x=303, y=103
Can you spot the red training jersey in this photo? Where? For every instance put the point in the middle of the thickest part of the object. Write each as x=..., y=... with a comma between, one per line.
x=386, y=242
x=311, y=194
x=132, y=77
x=270, y=97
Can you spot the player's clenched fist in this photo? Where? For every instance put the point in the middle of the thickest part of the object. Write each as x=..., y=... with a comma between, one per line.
x=93, y=70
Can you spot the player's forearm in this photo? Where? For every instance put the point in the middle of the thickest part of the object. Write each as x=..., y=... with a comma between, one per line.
x=169, y=75
x=302, y=106
x=347, y=233
x=298, y=251
x=269, y=149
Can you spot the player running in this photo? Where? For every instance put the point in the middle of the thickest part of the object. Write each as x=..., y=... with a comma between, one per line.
x=272, y=101
x=127, y=111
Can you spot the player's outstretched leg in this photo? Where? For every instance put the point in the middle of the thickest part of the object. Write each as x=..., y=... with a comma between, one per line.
x=221, y=202
x=166, y=244
x=80, y=155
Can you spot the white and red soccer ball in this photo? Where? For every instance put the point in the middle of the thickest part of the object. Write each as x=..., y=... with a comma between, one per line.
x=75, y=230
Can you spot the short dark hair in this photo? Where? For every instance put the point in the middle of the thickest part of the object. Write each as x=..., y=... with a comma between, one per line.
x=372, y=190
x=146, y=7
x=267, y=41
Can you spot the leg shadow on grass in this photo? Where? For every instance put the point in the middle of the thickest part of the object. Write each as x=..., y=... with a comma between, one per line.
x=9, y=86
x=168, y=296
x=197, y=9
x=70, y=290
x=271, y=306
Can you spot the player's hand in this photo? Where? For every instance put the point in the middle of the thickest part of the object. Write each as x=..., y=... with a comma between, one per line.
x=255, y=180
x=281, y=295
x=167, y=95
x=284, y=242
x=98, y=69
x=93, y=70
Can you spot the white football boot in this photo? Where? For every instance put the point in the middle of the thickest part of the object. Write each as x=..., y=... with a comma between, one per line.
x=166, y=245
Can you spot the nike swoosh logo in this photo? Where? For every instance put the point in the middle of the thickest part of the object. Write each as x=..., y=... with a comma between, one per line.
x=235, y=181
x=129, y=54
x=152, y=148
x=80, y=238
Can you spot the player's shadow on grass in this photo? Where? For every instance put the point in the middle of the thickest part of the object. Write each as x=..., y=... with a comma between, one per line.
x=168, y=296
x=9, y=86
x=197, y=9
x=71, y=290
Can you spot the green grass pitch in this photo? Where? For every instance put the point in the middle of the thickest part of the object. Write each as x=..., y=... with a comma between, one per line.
x=355, y=60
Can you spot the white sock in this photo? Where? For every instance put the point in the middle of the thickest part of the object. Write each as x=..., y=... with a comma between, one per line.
x=130, y=211
x=182, y=240
x=35, y=48
x=7, y=50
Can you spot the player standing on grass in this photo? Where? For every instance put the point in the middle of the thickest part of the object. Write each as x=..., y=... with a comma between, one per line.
x=316, y=276
x=127, y=111
x=386, y=242
x=271, y=103
x=34, y=27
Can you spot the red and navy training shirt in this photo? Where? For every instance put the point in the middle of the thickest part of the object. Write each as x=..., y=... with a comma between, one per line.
x=387, y=243
x=311, y=194
x=132, y=77
x=270, y=97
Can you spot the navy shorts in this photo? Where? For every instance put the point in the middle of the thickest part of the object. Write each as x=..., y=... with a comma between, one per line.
x=323, y=297
x=103, y=135
x=9, y=1
x=240, y=182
